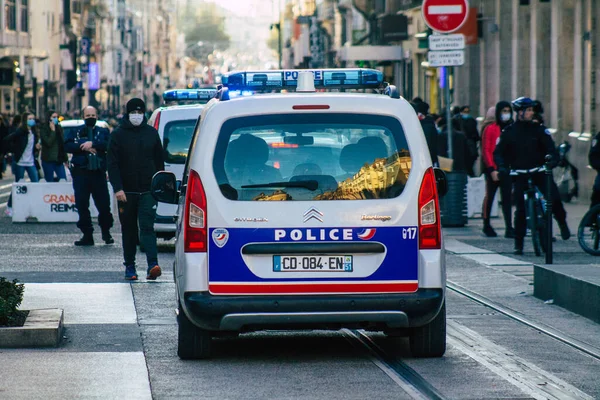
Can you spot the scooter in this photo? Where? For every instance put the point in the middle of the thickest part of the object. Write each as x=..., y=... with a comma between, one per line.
x=566, y=175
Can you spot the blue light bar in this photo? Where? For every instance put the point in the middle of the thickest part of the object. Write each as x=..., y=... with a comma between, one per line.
x=189, y=94
x=341, y=78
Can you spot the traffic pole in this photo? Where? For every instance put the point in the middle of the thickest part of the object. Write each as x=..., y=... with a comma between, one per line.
x=448, y=110
x=548, y=194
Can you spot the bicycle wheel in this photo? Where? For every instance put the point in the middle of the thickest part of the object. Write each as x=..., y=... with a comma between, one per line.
x=588, y=233
x=532, y=218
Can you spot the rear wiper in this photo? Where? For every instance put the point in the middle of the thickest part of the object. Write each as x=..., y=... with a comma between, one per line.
x=308, y=184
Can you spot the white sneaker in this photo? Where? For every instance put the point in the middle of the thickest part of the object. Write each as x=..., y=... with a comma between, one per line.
x=8, y=212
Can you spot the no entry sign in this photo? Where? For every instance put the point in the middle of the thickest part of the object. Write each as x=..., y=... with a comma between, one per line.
x=445, y=16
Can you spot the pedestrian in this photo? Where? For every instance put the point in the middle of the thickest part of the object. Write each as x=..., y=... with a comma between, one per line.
x=497, y=118
x=135, y=154
x=460, y=148
x=429, y=130
x=594, y=160
x=53, y=149
x=88, y=169
x=524, y=145
x=3, y=147
x=24, y=142
x=468, y=126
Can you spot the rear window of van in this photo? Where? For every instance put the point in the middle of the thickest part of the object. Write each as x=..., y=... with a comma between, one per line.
x=306, y=157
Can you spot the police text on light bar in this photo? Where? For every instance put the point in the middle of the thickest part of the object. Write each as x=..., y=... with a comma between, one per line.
x=342, y=78
x=189, y=94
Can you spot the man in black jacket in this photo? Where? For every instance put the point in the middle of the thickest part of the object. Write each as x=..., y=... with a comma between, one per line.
x=88, y=169
x=524, y=145
x=135, y=154
x=594, y=159
x=429, y=129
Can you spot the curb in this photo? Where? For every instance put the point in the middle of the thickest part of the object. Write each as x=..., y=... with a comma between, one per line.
x=42, y=328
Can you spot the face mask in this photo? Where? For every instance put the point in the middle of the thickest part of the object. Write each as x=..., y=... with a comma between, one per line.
x=31, y=123
x=55, y=121
x=439, y=130
x=465, y=116
x=136, y=119
x=505, y=116
x=90, y=122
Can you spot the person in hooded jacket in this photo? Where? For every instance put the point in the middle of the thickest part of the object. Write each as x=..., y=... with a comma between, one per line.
x=88, y=170
x=502, y=117
x=53, y=149
x=429, y=130
x=135, y=154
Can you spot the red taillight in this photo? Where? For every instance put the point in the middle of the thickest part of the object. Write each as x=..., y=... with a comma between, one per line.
x=195, y=233
x=157, y=121
x=430, y=233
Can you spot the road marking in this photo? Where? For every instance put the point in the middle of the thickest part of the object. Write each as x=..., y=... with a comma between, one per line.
x=529, y=378
x=6, y=186
x=437, y=10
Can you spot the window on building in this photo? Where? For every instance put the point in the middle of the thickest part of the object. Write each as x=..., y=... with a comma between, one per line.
x=11, y=15
x=76, y=6
x=24, y=16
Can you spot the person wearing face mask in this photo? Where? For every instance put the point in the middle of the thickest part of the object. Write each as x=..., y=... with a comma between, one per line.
x=88, y=169
x=429, y=129
x=24, y=142
x=524, y=145
x=468, y=126
x=497, y=119
x=53, y=150
x=135, y=154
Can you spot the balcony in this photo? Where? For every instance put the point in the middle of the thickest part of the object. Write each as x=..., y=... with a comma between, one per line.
x=12, y=43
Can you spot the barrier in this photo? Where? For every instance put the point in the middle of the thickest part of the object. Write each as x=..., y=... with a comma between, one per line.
x=49, y=202
x=475, y=195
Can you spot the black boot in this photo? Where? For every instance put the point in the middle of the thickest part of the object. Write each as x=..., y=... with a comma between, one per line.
x=565, y=233
x=86, y=240
x=519, y=247
x=488, y=230
x=509, y=233
x=108, y=239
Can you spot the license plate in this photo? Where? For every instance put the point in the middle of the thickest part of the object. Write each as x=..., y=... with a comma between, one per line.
x=312, y=264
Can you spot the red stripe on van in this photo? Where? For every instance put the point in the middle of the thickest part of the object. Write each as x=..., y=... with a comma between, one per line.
x=307, y=288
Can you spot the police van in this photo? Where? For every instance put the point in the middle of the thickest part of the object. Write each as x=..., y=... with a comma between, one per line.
x=175, y=123
x=305, y=208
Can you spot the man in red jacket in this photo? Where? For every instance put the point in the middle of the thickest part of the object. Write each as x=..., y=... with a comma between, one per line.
x=493, y=180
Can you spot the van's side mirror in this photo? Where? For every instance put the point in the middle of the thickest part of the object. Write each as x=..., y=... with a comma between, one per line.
x=164, y=187
x=442, y=182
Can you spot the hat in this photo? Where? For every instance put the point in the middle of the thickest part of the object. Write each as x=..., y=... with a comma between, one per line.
x=136, y=104
x=422, y=108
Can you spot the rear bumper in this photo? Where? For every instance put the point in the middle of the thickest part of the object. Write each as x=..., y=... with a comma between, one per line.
x=381, y=311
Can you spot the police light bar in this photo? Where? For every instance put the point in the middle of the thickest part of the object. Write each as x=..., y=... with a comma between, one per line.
x=340, y=78
x=189, y=94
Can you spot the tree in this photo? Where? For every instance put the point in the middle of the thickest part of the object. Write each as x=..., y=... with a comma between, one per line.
x=206, y=25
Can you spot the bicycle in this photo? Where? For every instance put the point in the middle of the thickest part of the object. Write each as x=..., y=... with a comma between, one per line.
x=588, y=233
x=535, y=206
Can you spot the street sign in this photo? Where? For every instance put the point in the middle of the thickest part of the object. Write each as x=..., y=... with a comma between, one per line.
x=447, y=42
x=452, y=58
x=445, y=16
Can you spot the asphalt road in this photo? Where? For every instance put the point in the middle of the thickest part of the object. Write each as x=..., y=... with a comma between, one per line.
x=120, y=338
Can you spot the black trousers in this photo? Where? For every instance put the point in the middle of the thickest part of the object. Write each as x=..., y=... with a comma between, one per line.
x=539, y=179
x=491, y=187
x=139, y=209
x=86, y=183
x=596, y=191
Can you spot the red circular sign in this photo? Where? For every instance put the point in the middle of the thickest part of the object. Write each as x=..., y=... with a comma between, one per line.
x=445, y=16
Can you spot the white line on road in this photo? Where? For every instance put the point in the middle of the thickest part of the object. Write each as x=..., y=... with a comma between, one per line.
x=437, y=10
x=6, y=186
x=531, y=379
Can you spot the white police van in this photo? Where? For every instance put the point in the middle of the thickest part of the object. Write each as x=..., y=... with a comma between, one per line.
x=175, y=123
x=308, y=210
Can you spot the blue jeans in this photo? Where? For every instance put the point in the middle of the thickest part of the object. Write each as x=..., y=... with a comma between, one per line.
x=19, y=172
x=50, y=168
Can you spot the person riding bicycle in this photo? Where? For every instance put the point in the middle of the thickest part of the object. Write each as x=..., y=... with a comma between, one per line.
x=524, y=145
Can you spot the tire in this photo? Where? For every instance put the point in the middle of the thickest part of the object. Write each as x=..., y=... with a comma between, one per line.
x=591, y=222
x=532, y=225
x=430, y=340
x=193, y=343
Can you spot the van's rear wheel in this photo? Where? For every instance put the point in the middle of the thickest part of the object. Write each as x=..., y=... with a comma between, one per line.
x=430, y=340
x=193, y=343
